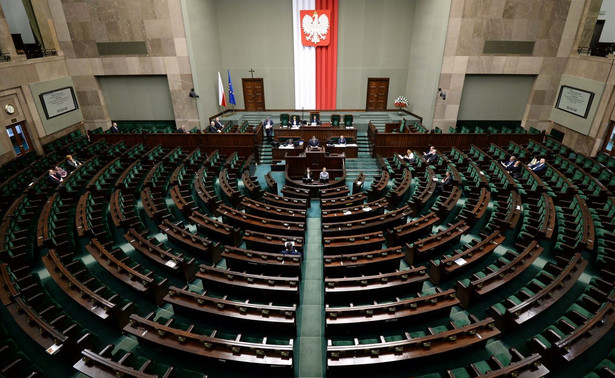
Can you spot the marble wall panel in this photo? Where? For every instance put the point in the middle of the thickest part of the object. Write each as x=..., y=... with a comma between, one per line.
x=472, y=22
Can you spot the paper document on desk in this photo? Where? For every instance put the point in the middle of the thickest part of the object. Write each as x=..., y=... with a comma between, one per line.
x=460, y=261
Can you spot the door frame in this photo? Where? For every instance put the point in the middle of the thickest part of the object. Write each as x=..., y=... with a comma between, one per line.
x=244, y=80
x=386, y=100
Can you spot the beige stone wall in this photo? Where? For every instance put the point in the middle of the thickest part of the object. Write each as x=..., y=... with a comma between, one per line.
x=159, y=23
x=552, y=24
x=598, y=69
x=15, y=77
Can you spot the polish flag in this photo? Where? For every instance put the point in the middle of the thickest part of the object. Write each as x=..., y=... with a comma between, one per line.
x=221, y=97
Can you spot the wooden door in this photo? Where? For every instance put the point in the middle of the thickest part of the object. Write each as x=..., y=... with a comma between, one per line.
x=19, y=138
x=377, y=93
x=253, y=94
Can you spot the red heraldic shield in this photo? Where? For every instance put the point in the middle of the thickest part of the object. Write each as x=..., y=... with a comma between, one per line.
x=315, y=27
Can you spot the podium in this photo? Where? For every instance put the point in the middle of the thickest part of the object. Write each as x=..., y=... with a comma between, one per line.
x=315, y=160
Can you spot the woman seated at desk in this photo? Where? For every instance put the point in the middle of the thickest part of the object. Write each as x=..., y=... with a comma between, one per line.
x=307, y=176
x=289, y=142
x=409, y=157
x=324, y=175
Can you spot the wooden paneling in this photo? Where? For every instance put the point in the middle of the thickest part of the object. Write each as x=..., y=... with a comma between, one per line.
x=244, y=144
x=387, y=144
x=322, y=133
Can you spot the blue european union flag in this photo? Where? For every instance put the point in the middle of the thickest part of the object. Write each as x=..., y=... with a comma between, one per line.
x=231, y=93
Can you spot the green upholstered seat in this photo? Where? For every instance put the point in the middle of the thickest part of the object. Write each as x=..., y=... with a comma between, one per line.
x=348, y=119
x=284, y=119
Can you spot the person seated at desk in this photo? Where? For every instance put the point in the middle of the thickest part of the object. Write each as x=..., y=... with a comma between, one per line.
x=431, y=156
x=218, y=124
x=342, y=140
x=182, y=129
x=72, y=162
x=294, y=122
x=313, y=143
x=213, y=129
x=409, y=156
x=315, y=121
x=114, y=128
x=307, y=176
x=446, y=181
x=289, y=249
x=324, y=175
x=516, y=170
x=60, y=172
x=289, y=142
x=53, y=178
x=508, y=165
x=540, y=166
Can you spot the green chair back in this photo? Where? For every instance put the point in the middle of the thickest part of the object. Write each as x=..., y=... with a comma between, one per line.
x=335, y=120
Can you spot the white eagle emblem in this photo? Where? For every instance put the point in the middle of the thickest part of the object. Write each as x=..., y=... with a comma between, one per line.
x=316, y=28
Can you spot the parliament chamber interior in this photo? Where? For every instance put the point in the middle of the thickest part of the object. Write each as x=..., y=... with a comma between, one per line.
x=397, y=188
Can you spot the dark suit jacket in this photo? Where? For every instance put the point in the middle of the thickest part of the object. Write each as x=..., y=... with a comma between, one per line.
x=313, y=143
x=218, y=125
x=114, y=129
x=516, y=171
x=447, y=181
x=53, y=179
x=291, y=252
x=539, y=167
x=212, y=129
x=341, y=141
x=268, y=131
x=431, y=158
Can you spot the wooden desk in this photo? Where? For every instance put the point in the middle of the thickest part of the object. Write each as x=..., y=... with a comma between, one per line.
x=349, y=150
x=412, y=347
x=315, y=160
x=323, y=132
x=280, y=153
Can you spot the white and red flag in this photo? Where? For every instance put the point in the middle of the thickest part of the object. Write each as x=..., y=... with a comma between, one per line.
x=221, y=97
